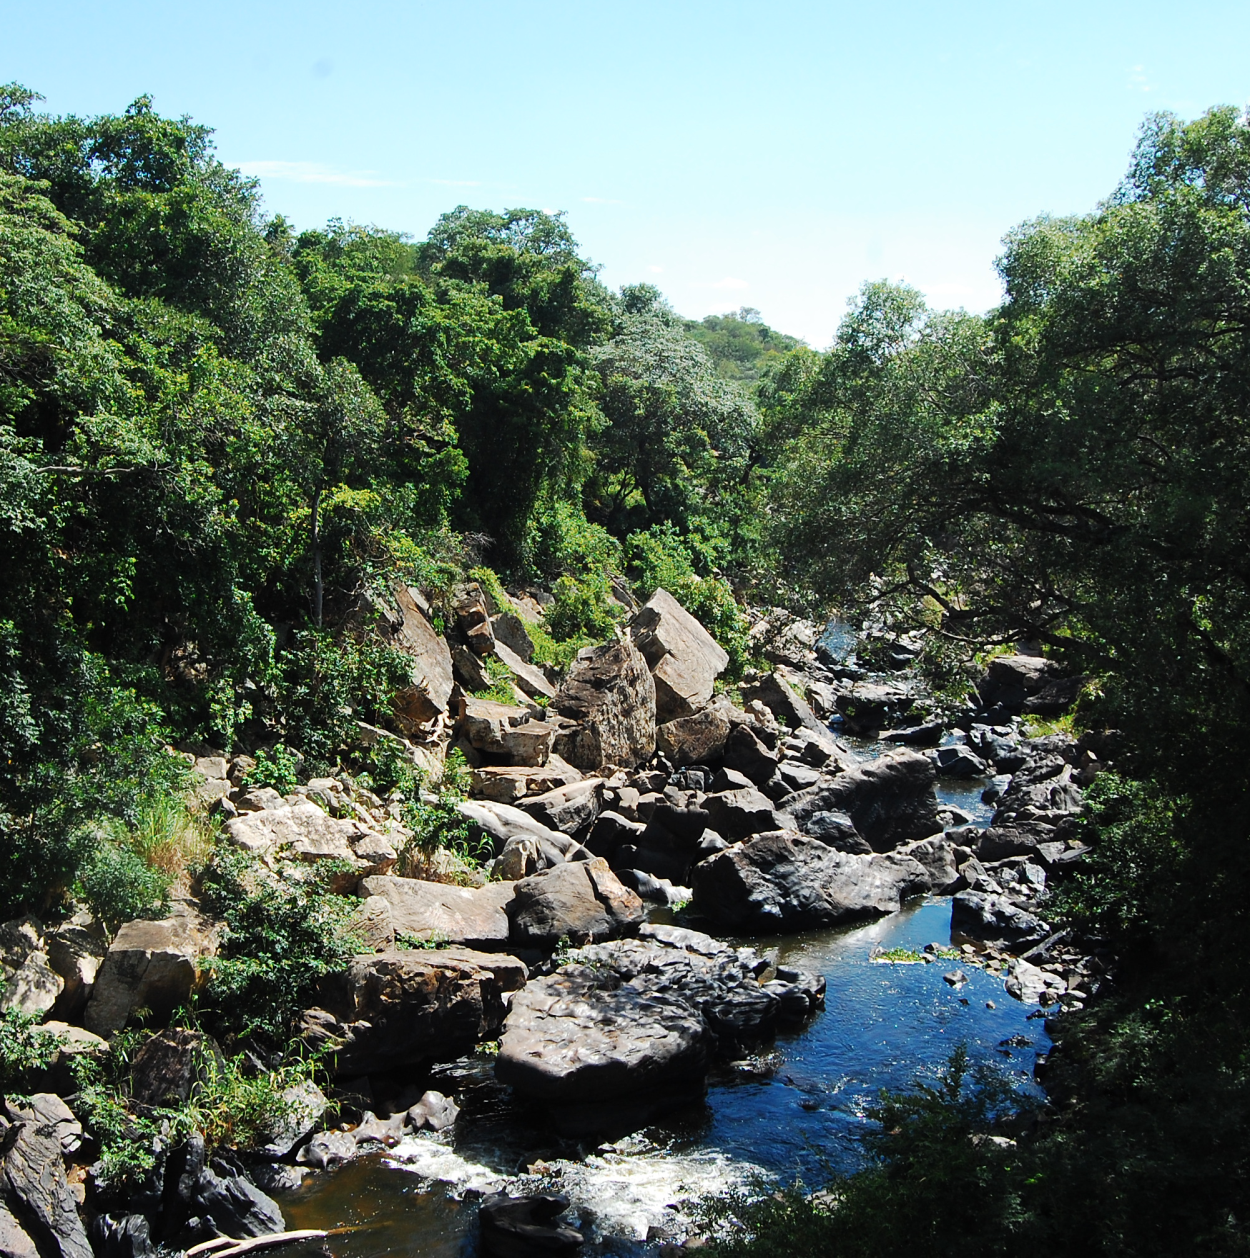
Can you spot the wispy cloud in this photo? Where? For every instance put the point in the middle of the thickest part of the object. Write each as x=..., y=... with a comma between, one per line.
x=602, y=201
x=655, y=270
x=1138, y=81
x=316, y=172
x=730, y=282
x=457, y=183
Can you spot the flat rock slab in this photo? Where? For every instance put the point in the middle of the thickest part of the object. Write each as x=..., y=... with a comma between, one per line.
x=784, y=881
x=633, y=1017
x=440, y=913
x=684, y=658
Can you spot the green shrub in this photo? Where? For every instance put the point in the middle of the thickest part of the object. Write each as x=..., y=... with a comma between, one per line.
x=562, y=542
x=119, y=886
x=25, y=1048
x=284, y=931
x=278, y=769
x=582, y=610
x=440, y=824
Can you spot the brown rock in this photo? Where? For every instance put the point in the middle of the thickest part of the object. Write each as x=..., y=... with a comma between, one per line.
x=683, y=657
x=610, y=695
x=473, y=618
x=581, y=900
x=697, y=739
x=505, y=784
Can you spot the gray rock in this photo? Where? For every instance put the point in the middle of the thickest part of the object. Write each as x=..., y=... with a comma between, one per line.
x=837, y=830
x=788, y=706
x=30, y=984
x=150, y=965
x=610, y=831
x=235, y=1206
x=684, y=658
x=306, y=1105
x=529, y=678
x=785, y=881
x=891, y=800
x=1011, y=679
x=432, y=679
x=328, y=1148
x=169, y=1065
x=48, y=1112
x=35, y=1190
x=737, y=814
x=14, y=1241
x=582, y=901
x=569, y=809
x=441, y=913
x=122, y=1236
x=609, y=696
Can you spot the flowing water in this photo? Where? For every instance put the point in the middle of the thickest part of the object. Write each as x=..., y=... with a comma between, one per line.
x=794, y=1109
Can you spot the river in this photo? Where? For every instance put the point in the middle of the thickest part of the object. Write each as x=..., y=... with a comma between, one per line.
x=795, y=1109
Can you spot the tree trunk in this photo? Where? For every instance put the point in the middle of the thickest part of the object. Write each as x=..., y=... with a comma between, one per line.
x=316, y=554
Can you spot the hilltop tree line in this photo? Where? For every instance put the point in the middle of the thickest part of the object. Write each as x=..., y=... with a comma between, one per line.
x=221, y=439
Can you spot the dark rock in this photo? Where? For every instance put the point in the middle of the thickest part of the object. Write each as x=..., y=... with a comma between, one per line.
x=869, y=706
x=407, y=1008
x=785, y=881
x=526, y=1227
x=737, y=814
x=610, y=831
x=570, y=809
x=170, y=1064
x=890, y=800
x=787, y=705
x=745, y=753
x=37, y=1194
x=1056, y=697
x=993, y=919
x=121, y=1236
x=234, y=1205
x=837, y=830
x=697, y=739
x=959, y=762
x=927, y=735
x=1011, y=679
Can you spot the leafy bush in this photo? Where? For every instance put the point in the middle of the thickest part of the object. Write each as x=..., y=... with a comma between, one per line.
x=439, y=825
x=278, y=769
x=582, y=610
x=284, y=931
x=232, y=1106
x=119, y=886
x=25, y=1048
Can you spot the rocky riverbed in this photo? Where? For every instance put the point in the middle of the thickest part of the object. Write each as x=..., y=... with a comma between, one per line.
x=544, y=1020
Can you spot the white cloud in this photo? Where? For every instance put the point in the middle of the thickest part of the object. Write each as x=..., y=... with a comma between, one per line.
x=1138, y=81
x=655, y=270
x=602, y=201
x=315, y=172
x=731, y=283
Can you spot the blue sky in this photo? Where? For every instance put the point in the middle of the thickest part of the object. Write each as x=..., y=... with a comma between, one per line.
x=772, y=155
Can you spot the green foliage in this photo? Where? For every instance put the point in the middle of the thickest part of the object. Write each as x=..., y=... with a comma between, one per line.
x=278, y=768
x=581, y=610
x=119, y=886
x=439, y=825
x=284, y=931
x=742, y=345
x=25, y=1049
x=232, y=1106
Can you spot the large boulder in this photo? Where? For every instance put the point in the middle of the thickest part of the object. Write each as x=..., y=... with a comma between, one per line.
x=582, y=901
x=891, y=800
x=518, y=1227
x=150, y=965
x=504, y=730
x=697, y=739
x=473, y=618
x=432, y=679
x=787, y=705
x=437, y=912
x=1012, y=679
x=37, y=1194
x=684, y=658
x=746, y=753
x=636, y=1018
x=30, y=984
x=306, y=830
x=571, y=809
x=994, y=919
x=406, y=1008
x=867, y=706
x=529, y=677
x=609, y=696
x=738, y=814
x=784, y=881
x=505, y=784
x=170, y=1064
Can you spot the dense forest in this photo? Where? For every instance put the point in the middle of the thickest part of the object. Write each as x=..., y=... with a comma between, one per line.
x=223, y=440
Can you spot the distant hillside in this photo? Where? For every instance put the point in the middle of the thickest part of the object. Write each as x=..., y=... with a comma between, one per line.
x=742, y=344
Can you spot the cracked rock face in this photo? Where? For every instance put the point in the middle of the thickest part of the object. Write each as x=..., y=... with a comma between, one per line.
x=639, y=1016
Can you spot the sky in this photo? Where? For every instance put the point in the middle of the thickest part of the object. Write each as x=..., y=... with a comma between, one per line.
x=767, y=155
